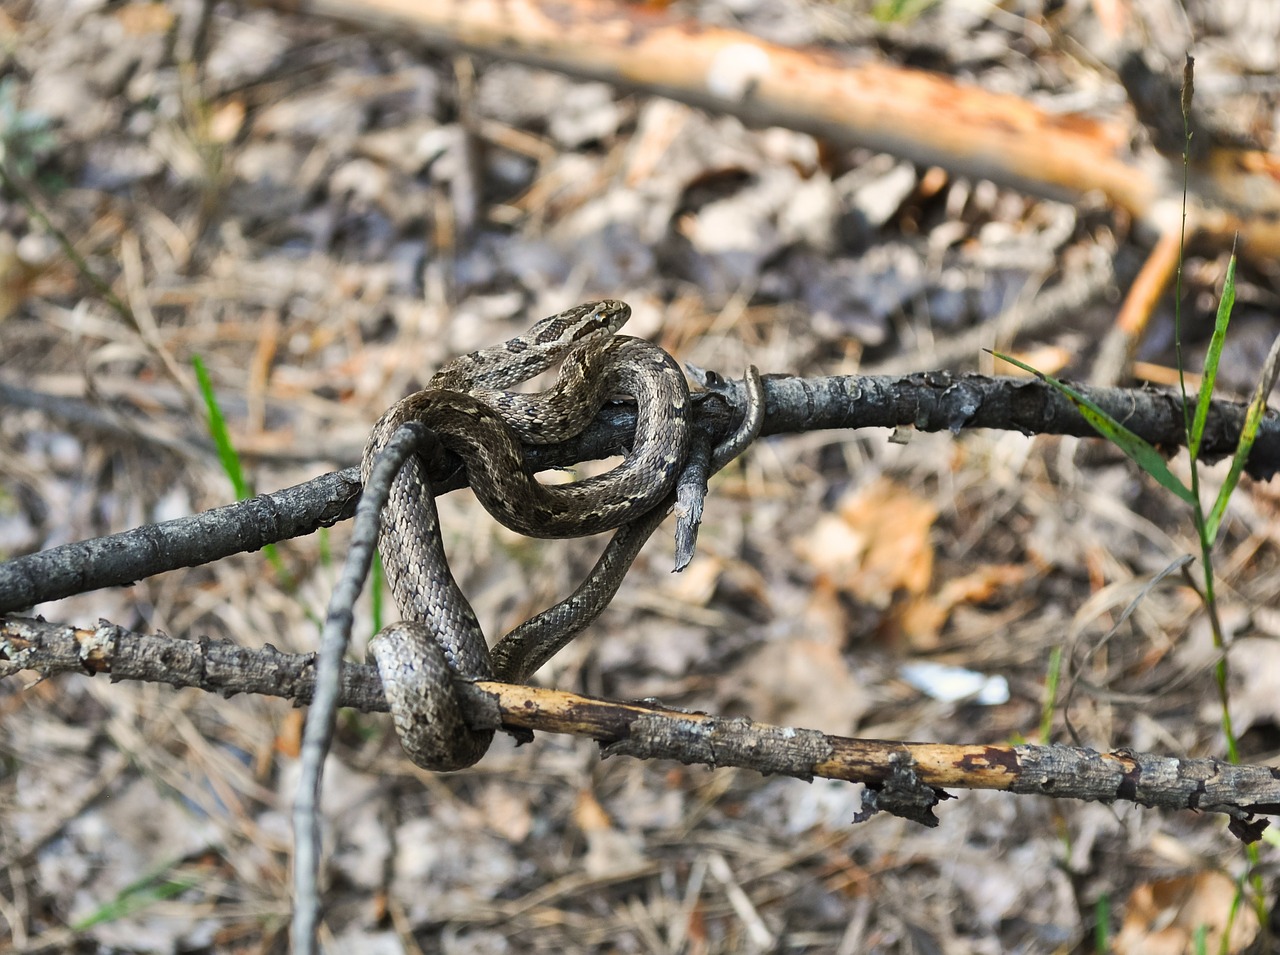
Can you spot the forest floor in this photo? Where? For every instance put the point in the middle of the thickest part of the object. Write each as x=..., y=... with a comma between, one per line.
x=324, y=216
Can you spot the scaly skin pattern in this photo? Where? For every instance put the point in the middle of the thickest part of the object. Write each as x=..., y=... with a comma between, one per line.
x=465, y=407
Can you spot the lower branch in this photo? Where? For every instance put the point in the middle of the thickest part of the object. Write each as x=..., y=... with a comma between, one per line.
x=905, y=779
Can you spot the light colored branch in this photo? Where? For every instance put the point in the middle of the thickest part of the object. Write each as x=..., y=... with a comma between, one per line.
x=906, y=779
x=927, y=118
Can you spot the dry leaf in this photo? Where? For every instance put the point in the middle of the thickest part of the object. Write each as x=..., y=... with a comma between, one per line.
x=226, y=121
x=697, y=583
x=1162, y=917
x=144, y=19
x=588, y=815
x=921, y=620
x=506, y=809
x=895, y=524
x=609, y=850
x=804, y=683
x=876, y=544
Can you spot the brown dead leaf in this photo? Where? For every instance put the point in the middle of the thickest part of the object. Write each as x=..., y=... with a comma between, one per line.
x=981, y=585
x=15, y=278
x=226, y=121
x=31, y=268
x=610, y=851
x=289, y=739
x=805, y=683
x=1162, y=917
x=696, y=584
x=506, y=809
x=921, y=619
x=588, y=815
x=876, y=547
x=145, y=19
x=895, y=524
x=876, y=544
x=825, y=618
x=832, y=546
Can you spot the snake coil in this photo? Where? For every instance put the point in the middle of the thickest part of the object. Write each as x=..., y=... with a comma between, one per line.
x=466, y=408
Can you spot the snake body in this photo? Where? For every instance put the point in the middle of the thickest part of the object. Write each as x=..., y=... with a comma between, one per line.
x=471, y=416
x=466, y=408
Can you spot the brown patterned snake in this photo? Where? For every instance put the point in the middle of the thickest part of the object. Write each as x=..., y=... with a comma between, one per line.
x=468, y=412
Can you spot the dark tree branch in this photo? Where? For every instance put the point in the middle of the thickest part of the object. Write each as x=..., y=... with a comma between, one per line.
x=906, y=779
x=202, y=538
x=931, y=401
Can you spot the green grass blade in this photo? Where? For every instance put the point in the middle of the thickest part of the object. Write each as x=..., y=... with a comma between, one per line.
x=375, y=591
x=1053, y=679
x=324, y=552
x=1212, y=357
x=1140, y=450
x=218, y=431
x=1248, y=434
x=154, y=887
x=1102, y=925
x=230, y=461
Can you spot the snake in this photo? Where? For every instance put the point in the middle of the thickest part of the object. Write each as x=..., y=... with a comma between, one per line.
x=527, y=647
x=468, y=409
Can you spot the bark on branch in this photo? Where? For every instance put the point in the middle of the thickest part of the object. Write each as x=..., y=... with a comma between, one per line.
x=905, y=779
x=931, y=401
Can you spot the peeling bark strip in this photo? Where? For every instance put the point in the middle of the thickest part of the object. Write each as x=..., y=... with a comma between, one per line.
x=924, y=117
x=905, y=779
x=931, y=401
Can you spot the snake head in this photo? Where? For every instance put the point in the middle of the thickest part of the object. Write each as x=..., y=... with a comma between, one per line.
x=547, y=342
x=581, y=322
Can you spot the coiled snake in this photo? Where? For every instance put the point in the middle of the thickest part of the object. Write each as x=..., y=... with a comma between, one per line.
x=470, y=414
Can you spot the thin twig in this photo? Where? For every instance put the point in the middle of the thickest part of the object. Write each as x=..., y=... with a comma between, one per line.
x=317, y=736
